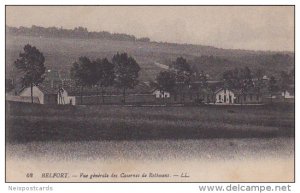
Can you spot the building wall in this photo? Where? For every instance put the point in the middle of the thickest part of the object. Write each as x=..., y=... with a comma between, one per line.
x=287, y=95
x=24, y=99
x=140, y=98
x=94, y=100
x=277, y=99
x=228, y=97
x=188, y=97
x=50, y=99
x=63, y=98
x=115, y=99
x=249, y=99
x=36, y=92
x=159, y=94
x=225, y=96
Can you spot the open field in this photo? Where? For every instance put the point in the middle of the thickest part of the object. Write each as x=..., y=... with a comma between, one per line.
x=27, y=122
x=208, y=143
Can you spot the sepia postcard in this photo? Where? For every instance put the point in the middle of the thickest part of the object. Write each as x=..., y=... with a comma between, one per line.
x=149, y=93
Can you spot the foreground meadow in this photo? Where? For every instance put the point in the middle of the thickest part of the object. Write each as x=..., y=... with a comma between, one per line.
x=207, y=143
x=26, y=122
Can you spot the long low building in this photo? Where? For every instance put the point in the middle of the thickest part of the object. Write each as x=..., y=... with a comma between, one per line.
x=231, y=96
x=67, y=93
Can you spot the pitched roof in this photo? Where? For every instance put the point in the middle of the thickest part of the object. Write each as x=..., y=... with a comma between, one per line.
x=239, y=92
x=49, y=87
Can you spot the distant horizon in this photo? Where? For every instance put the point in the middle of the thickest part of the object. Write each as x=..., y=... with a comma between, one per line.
x=257, y=28
x=153, y=41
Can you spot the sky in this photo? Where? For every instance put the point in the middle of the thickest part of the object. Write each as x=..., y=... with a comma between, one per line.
x=229, y=27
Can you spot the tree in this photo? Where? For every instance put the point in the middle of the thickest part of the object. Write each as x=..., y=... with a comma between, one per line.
x=104, y=74
x=9, y=86
x=166, y=82
x=284, y=81
x=183, y=70
x=31, y=65
x=239, y=79
x=292, y=76
x=203, y=80
x=259, y=84
x=83, y=72
x=181, y=64
x=232, y=79
x=247, y=82
x=126, y=72
x=272, y=87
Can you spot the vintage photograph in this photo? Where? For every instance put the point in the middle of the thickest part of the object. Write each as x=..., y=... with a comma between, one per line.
x=149, y=93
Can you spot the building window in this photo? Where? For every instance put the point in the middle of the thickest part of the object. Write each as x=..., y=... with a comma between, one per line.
x=230, y=99
x=225, y=98
x=219, y=97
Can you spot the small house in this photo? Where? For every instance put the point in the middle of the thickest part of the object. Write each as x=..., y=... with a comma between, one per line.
x=45, y=92
x=226, y=96
x=288, y=93
x=183, y=93
x=232, y=96
x=161, y=94
x=23, y=99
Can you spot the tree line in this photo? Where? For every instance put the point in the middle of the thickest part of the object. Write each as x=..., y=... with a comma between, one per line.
x=77, y=32
x=123, y=72
x=242, y=79
x=180, y=72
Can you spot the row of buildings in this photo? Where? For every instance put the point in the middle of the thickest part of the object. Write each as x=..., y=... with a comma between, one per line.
x=66, y=92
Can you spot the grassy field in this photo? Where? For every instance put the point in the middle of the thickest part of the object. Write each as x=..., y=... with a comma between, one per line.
x=182, y=149
x=210, y=143
x=27, y=122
